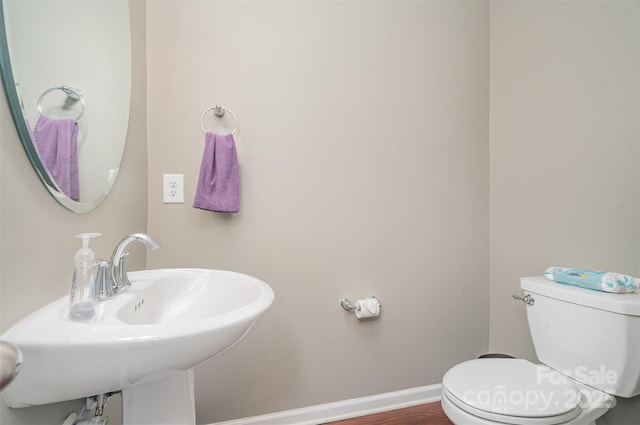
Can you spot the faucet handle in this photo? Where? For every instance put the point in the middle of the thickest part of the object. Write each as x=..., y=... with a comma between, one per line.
x=122, y=274
x=103, y=287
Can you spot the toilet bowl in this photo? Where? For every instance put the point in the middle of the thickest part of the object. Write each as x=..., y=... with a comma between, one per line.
x=518, y=392
x=579, y=377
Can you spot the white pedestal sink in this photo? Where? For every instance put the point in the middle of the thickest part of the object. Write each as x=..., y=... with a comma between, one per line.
x=145, y=342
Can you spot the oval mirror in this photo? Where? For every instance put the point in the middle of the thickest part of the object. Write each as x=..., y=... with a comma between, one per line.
x=66, y=68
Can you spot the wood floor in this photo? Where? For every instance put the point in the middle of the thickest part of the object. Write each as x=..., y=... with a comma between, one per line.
x=423, y=414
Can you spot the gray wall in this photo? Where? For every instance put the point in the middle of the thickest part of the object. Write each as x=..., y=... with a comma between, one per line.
x=565, y=144
x=412, y=150
x=363, y=147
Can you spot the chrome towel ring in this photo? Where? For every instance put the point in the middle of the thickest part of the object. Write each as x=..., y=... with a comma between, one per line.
x=219, y=111
x=71, y=93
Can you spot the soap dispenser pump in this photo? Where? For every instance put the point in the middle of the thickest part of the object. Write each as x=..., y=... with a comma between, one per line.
x=82, y=303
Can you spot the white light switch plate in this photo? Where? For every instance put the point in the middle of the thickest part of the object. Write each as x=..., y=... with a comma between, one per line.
x=173, y=188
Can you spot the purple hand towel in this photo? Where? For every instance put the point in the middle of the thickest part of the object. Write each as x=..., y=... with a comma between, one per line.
x=218, y=186
x=56, y=141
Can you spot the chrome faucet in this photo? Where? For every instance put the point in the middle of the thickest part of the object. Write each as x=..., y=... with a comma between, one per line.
x=112, y=276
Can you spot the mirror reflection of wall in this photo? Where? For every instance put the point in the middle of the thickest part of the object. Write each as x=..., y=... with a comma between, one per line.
x=83, y=44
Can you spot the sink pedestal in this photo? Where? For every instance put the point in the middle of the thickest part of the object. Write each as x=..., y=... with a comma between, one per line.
x=168, y=400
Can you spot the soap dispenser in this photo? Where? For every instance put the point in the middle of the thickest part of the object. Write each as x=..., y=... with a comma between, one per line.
x=82, y=303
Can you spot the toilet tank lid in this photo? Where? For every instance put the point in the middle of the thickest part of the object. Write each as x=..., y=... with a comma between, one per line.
x=628, y=304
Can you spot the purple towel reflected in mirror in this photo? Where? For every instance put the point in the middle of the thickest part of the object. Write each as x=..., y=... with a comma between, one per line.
x=56, y=141
x=218, y=187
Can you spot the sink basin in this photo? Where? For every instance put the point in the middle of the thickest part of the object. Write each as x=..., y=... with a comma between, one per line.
x=169, y=321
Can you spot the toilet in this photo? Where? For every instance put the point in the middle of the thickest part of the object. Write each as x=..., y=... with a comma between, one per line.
x=588, y=343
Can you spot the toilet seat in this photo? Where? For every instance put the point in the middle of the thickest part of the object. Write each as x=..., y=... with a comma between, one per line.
x=512, y=391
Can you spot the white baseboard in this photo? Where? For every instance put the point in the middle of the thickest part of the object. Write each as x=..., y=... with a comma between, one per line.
x=345, y=409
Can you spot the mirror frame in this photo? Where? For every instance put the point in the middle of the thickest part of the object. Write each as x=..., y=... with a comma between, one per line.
x=17, y=113
x=15, y=107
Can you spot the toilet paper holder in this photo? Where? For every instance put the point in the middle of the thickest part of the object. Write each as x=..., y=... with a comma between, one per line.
x=349, y=306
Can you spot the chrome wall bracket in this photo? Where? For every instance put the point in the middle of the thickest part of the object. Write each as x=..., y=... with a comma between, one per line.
x=348, y=305
x=352, y=307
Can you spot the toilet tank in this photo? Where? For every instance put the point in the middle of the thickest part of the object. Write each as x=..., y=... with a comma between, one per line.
x=590, y=336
